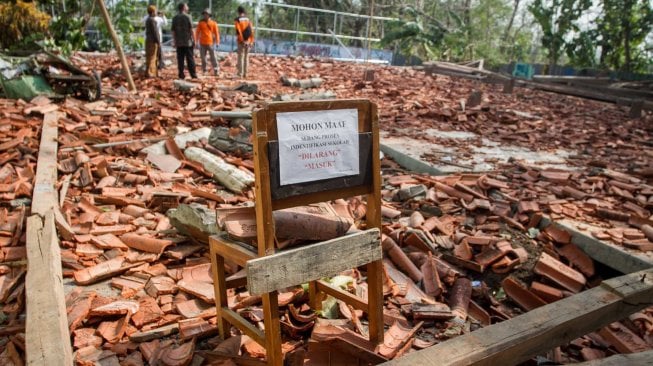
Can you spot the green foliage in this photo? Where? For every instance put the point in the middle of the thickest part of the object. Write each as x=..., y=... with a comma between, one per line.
x=622, y=30
x=67, y=34
x=557, y=19
x=21, y=23
x=414, y=37
x=582, y=50
x=121, y=15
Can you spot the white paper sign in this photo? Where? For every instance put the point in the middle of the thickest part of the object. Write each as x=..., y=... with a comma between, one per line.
x=317, y=145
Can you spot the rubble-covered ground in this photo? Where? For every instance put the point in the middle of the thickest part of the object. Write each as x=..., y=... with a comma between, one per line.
x=144, y=179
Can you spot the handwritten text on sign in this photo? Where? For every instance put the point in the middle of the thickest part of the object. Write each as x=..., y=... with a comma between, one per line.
x=317, y=145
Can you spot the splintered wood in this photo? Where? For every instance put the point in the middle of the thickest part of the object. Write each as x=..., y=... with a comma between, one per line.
x=143, y=180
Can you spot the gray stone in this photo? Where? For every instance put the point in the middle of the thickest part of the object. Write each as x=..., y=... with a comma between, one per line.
x=410, y=192
x=195, y=221
x=221, y=138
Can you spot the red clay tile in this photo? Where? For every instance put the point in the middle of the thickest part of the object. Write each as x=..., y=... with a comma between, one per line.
x=78, y=309
x=559, y=273
x=557, y=234
x=196, y=327
x=460, y=296
x=545, y=292
x=120, y=307
x=623, y=339
x=400, y=258
x=395, y=338
x=113, y=331
x=432, y=284
x=144, y=243
x=85, y=337
x=101, y=271
x=521, y=295
x=577, y=258
x=203, y=290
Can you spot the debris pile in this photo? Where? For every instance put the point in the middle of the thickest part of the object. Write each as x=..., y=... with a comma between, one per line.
x=145, y=179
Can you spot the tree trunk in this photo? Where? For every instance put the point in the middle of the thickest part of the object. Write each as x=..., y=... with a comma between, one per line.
x=553, y=60
x=506, y=34
x=625, y=21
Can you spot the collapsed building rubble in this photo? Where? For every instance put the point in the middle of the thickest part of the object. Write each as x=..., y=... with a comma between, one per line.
x=145, y=179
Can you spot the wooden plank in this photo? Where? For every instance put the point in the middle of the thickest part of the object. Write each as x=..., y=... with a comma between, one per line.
x=593, y=94
x=373, y=218
x=631, y=359
x=520, y=338
x=244, y=325
x=345, y=296
x=613, y=255
x=46, y=307
x=47, y=339
x=272, y=328
x=219, y=290
x=44, y=196
x=230, y=249
x=264, y=221
x=304, y=264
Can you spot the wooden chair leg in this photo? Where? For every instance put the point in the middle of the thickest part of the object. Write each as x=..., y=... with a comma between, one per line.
x=220, y=290
x=313, y=296
x=375, y=300
x=272, y=329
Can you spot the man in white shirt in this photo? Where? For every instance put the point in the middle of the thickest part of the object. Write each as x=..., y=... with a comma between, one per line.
x=161, y=21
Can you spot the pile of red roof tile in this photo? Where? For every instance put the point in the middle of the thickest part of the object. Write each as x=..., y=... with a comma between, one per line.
x=461, y=251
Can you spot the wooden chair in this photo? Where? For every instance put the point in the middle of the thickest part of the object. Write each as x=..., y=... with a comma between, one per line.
x=268, y=269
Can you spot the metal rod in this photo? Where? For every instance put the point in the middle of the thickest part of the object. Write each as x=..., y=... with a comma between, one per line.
x=341, y=44
x=335, y=24
x=369, y=30
x=296, y=26
x=326, y=11
x=316, y=34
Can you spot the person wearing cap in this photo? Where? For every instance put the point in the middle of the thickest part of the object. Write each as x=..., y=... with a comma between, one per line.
x=207, y=37
x=183, y=41
x=152, y=43
x=245, y=35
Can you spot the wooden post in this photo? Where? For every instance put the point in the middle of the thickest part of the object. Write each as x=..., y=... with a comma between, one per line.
x=47, y=339
x=116, y=41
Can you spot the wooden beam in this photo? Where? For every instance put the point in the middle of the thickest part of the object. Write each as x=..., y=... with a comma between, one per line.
x=116, y=42
x=304, y=264
x=47, y=339
x=613, y=255
x=604, y=94
x=225, y=247
x=521, y=338
x=44, y=197
x=349, y=298
x=630, y=359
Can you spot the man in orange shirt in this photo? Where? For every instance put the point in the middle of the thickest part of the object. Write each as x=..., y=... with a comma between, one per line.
x=245, y=35
x=208, y=38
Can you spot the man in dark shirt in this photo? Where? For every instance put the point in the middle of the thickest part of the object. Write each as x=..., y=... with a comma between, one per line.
x=182, y=38
x=152, y=43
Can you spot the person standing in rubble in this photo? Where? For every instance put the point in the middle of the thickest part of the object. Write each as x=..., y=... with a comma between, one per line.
x=208, y=38
x=245, y=35
x=152, y=44
x=183, y=41
x=161, y=21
